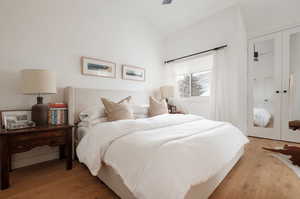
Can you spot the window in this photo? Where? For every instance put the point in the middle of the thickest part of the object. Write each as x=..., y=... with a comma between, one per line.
x=194, y=84
x=200, y=83
x=192, y=77
x=184, y=85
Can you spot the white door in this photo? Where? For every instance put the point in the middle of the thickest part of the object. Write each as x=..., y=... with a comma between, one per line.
x=265, y=86
x=291, y=84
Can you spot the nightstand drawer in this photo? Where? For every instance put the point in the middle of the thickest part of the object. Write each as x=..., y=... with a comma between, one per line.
x=28, y=141
x=37, y=136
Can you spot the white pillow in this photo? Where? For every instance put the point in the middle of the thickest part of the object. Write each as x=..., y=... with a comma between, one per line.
x=97, y=112
x=261, y=117
x=92, y=122
x=140, y=109
x=92, y=113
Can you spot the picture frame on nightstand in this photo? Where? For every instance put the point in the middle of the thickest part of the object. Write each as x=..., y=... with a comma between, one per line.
x=16, y=119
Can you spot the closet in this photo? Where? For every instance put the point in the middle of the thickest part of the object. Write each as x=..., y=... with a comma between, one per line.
x=274, y=85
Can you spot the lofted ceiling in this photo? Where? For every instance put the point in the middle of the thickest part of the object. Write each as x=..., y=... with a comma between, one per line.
x=179, y=14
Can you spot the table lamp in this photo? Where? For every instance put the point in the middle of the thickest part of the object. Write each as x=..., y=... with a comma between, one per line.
x=167, y=92
x=39, y=82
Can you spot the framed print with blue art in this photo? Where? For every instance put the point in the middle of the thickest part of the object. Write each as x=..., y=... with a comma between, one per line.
x=98, y=67
x=133, y=73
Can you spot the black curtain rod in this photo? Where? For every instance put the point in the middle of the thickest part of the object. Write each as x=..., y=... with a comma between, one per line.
x=191, y=55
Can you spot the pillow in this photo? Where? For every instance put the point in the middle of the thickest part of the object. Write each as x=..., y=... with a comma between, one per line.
x=92, y=113
x=118, y=111
x=96, y=112
x=157, y=107
x=140, y=111
x=261, y=117
x=127, y=99
x=92, y=122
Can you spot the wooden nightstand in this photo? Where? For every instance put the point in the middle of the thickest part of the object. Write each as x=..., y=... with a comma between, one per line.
x=17, y=141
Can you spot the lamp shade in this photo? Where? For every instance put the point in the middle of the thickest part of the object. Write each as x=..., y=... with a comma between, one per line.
x=167, y=91
x=38, y=82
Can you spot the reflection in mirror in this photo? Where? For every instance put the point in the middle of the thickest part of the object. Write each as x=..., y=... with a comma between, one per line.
x=263, y=84
x=294, y=87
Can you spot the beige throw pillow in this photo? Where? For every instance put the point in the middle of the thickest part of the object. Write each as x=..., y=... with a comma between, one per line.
x=118, y=111
x=127, y=99
x=157, y=107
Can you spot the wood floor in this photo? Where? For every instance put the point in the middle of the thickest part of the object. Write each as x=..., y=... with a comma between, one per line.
x=257, y=176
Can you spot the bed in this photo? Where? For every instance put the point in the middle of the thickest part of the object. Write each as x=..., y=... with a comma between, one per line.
x=115, y=177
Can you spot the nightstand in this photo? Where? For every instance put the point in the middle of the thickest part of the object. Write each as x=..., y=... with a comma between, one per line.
x=22, y=140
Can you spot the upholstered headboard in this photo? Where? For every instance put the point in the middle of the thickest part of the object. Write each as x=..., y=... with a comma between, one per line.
x=79, y=99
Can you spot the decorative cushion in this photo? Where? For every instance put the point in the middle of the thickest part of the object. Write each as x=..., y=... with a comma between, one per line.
x=127, y=99
x=118, y=111
x=157, y=107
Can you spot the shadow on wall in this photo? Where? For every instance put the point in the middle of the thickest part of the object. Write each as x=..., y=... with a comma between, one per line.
x=12, y=96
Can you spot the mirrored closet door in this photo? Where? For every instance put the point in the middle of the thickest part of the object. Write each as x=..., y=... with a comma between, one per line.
x=291, y=86
x=265, y=86
x=274, y=86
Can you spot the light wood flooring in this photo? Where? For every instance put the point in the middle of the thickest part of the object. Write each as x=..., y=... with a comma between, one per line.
x=256, y=176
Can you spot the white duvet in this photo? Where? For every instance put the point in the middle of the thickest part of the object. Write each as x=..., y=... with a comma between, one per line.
x=163, y=156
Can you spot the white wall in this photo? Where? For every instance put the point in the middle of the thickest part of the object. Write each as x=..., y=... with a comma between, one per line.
x=54, y=34
x=263, y=16
x=225, y=27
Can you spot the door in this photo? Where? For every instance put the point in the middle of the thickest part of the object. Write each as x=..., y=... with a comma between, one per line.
x=265, y=86
x=291, y=85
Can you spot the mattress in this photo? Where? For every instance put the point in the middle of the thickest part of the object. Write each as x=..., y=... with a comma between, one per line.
x=200, y=191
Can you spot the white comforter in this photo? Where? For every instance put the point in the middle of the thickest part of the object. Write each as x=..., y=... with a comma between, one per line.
x=163, y=156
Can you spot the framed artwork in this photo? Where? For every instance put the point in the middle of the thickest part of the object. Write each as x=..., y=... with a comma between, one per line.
x=16, y=119
x=133, y=73
x=97, y=67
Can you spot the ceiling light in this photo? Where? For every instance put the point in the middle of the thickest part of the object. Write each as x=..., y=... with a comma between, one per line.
x=255, y=55
x=166, y=2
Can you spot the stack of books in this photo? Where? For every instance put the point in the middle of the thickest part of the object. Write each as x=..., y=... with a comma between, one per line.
x=58, y=114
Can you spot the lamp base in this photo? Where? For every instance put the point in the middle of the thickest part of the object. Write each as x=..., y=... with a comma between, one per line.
x=39, y=113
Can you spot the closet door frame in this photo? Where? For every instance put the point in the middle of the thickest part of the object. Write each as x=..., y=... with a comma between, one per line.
x=275, y=132
x=286, y=133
